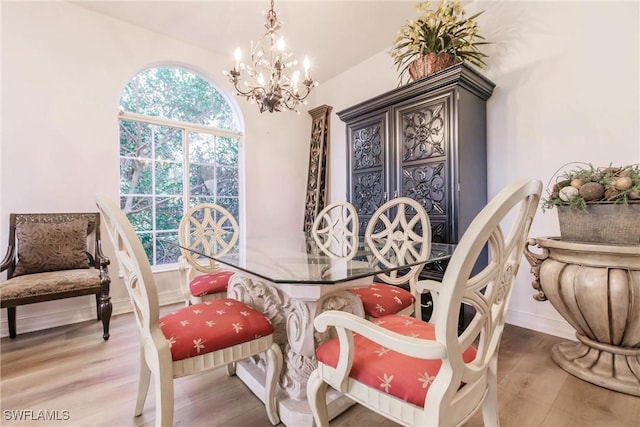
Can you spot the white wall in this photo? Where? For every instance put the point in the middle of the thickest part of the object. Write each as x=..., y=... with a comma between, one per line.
x=63, y=69
x=567, y=76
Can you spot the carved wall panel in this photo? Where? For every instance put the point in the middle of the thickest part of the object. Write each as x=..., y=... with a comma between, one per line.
x=318, y=155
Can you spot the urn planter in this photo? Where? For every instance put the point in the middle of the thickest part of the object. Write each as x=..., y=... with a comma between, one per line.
x=596, y=289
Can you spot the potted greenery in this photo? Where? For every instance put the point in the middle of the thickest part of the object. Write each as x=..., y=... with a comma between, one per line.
x=597, y=204
x=438, y=39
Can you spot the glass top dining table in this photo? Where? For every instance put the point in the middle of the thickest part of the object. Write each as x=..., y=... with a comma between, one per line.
x=296, y=258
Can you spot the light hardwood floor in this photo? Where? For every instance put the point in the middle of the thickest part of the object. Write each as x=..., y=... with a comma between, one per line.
x=72, y=369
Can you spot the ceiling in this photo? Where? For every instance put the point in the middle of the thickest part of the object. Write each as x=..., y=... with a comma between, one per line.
x=336, y=35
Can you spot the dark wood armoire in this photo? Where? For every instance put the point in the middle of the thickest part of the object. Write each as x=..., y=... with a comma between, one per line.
x=427, y=141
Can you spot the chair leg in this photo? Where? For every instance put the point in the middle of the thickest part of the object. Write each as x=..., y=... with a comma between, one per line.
x=317, y=397
x=11, y=317
x=105, y=309
x=490, y=404
x=274, y=368
x=164, y=398
x=143, y=384
x=230, y=368
x=97, y=306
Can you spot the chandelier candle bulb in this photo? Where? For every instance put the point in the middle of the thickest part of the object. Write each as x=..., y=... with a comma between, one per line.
x=237, y=55
x=306, y=64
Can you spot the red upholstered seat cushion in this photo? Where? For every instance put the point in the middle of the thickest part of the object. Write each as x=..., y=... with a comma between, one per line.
x=212, y=325
x=212, y=283
x=404, y=377
x=380, y=299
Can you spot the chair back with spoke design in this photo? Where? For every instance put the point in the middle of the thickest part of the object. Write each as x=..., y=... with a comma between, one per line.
x=184, y=342
x=212, y=230
x=399, y=229
x=417, y=373
x=335, y=230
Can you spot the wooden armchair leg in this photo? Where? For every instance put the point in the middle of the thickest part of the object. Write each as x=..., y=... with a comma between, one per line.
x=11, y=317
x=104, y=313
x=98, y=307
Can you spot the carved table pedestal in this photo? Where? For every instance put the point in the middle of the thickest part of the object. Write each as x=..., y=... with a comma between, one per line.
x=596, y=288
x=291, y=309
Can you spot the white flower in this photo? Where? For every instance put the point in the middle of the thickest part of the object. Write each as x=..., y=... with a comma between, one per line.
x=381, y=351
x=198, y=344
x=386, y=382
x=237, y=327
x=426, y=379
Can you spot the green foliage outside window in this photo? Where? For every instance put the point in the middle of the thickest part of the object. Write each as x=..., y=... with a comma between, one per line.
x=156, y=158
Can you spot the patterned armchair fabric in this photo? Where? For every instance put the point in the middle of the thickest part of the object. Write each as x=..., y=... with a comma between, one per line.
x=53, y=256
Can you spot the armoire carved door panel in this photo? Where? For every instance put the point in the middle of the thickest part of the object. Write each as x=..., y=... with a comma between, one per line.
x=423, y=136
x=368, y=159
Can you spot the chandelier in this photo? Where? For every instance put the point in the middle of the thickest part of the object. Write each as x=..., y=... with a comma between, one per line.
x=271, y=79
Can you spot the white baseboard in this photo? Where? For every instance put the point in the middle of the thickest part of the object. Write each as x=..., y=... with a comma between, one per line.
x=546, y=325
x=29, y=320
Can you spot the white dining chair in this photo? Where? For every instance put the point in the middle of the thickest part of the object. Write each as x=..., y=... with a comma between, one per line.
x=212, y=230
x=189, y=340
x=399, y=229
x=424, y=374
x=335, y=230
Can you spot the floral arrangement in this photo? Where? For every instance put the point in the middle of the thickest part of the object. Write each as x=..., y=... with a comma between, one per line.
x=588, y=184
x=445, y=29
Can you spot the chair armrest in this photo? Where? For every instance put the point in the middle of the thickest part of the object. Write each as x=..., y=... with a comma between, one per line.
x=102, y=260
x=8, y=258
x=414, y=347
x=428, y=285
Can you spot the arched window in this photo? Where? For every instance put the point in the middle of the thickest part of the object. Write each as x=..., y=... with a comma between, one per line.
x=179, y=146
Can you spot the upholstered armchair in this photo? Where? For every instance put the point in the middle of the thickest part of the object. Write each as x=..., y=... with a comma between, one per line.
x=53, y=256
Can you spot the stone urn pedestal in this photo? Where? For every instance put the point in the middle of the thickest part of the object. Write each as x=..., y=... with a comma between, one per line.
x=596, y=288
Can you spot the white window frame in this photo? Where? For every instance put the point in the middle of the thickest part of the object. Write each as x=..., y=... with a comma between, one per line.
x=186, y=195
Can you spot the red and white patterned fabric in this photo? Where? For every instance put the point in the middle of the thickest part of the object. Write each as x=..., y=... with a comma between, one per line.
x=380, y=299
x=212, y=325
x=212, y=283
x=402, y=376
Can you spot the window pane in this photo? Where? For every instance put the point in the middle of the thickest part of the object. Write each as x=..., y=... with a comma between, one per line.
x=169, y=211
x=168, y=143
x=167, y=253
x=230, y=204
x=202, y=179
x=196, y=200
x=147, y=244
x=226, y=181
x=226, y=151
x=138, y=211
x=135, y=139
x=135, y=176
x=169, y=178
x=201, y=148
